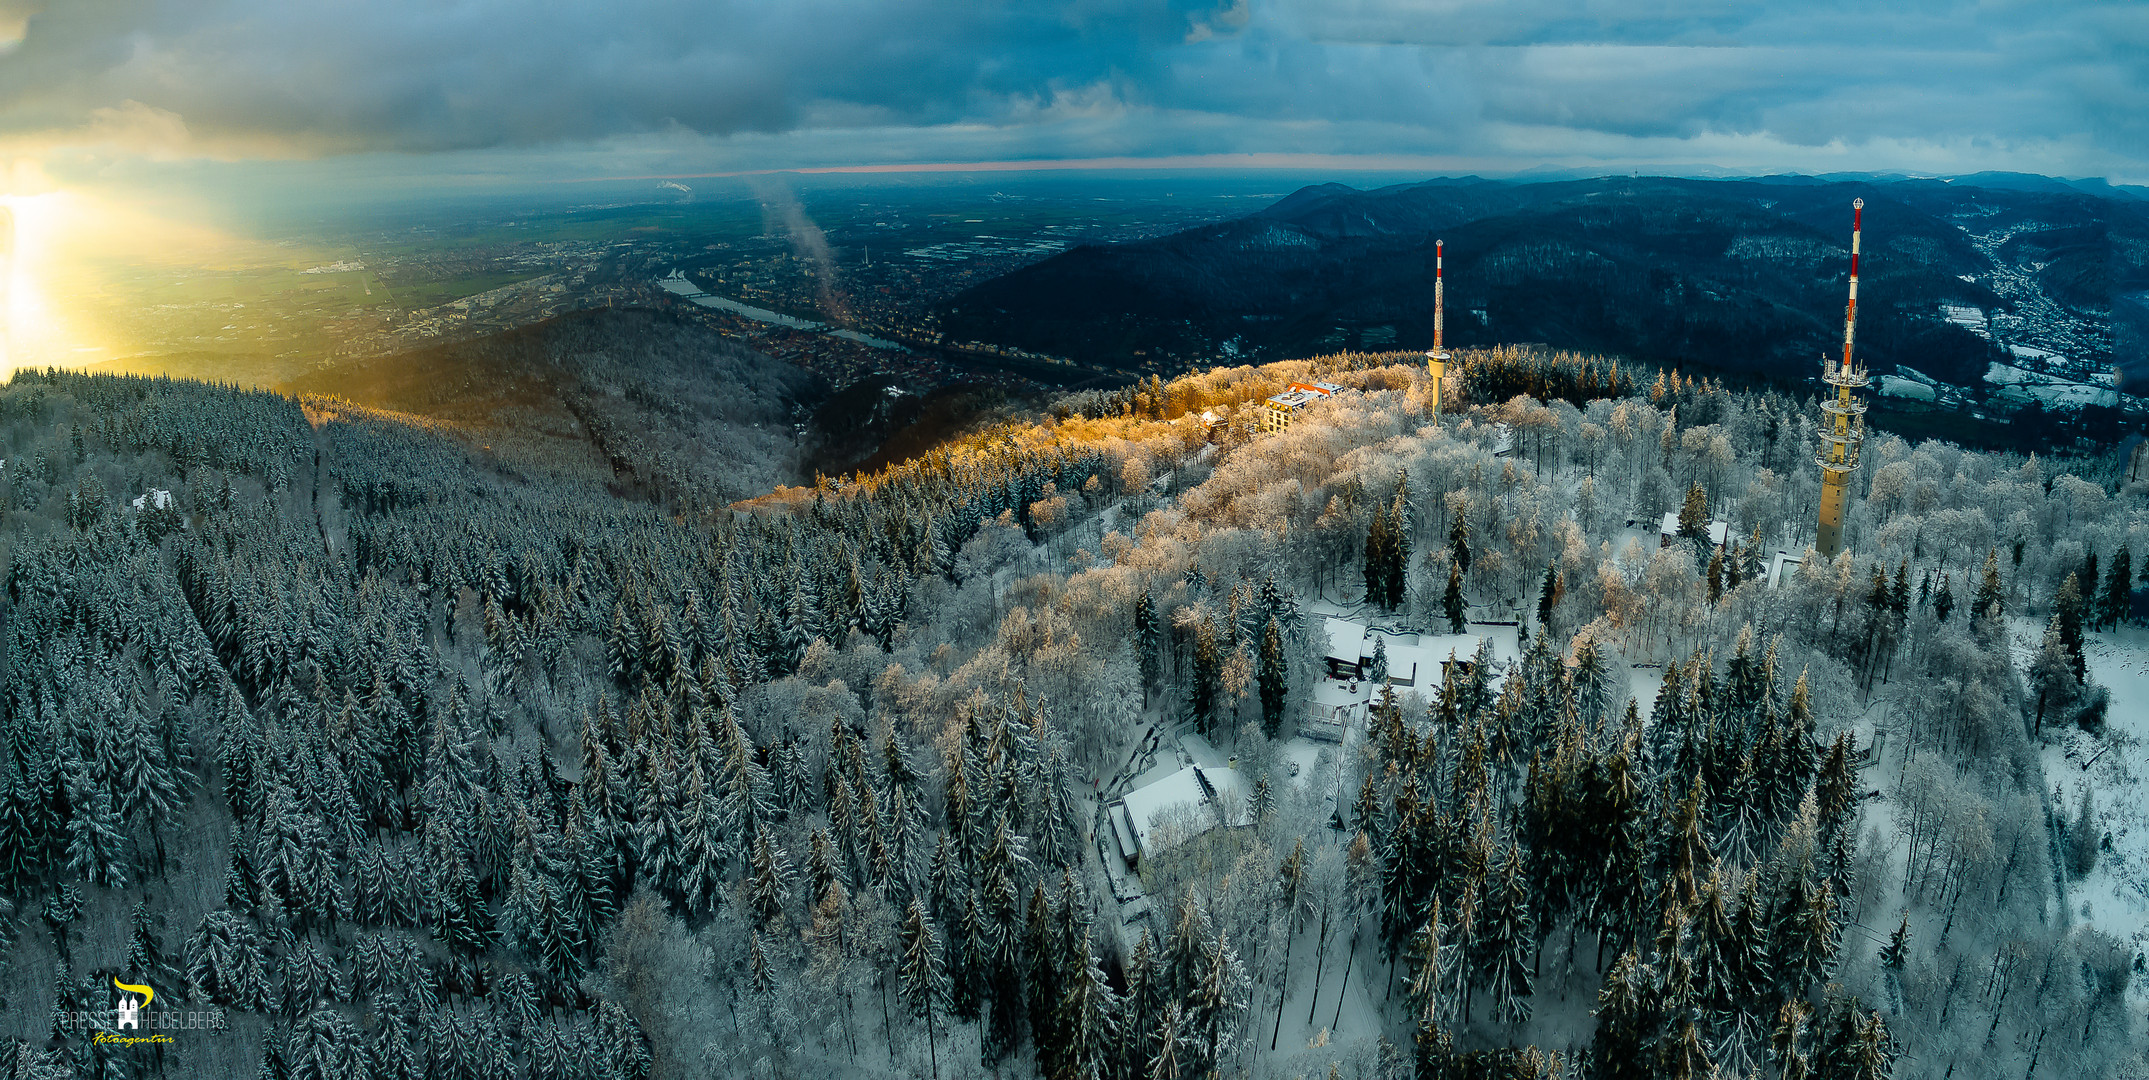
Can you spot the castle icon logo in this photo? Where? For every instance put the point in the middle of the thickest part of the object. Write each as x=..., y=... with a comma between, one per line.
x=130, y=1009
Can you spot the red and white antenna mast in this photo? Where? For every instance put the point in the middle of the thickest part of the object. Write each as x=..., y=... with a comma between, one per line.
x=1842, y=416
x=1436, y=361
x=1440, y=292
x=1850, y=311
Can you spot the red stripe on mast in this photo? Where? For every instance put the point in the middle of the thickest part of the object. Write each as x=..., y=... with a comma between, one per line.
x=1850, y=310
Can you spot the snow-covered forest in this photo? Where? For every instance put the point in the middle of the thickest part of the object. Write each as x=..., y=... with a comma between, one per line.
x=405, y=758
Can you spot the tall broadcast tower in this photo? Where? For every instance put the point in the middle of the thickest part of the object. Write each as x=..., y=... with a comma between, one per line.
x=1842, y=417
x=1436, y=361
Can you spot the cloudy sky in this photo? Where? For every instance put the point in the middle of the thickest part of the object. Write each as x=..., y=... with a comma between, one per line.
x=444, y=88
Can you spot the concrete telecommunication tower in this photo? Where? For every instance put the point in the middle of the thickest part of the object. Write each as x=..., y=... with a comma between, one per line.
x=1436, y=361
x=1842, y=417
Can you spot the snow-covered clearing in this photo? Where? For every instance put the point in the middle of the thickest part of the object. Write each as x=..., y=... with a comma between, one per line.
x=2115, y=896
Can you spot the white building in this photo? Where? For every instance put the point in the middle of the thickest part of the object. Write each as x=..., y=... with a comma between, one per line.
x=1668, y=532
x=1414, y=659
x=1278, y=412
x=1178, y=808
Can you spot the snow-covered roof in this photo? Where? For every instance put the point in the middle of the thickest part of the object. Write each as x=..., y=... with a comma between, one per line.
x=1782, y=567
x=1897, y=386
x=1204, y=797
x=1719, y=531
x=1345, y=639
x=157, y=497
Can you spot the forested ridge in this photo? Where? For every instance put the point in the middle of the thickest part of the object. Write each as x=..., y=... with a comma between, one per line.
x=1738, y=276
x=402, y=757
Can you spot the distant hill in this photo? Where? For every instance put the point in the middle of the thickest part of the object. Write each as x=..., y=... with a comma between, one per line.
x=1742, y=275
x=663, y=403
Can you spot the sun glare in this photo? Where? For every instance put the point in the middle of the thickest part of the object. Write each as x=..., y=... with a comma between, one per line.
x=34, y=328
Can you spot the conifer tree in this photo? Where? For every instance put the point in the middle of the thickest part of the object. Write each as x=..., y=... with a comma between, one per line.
x=1042, y=984
x=1694, y=514
x=1274, y=678
x=1290, y=881
x=1548, y=598
x=2052, y=673
x=1088, y=1021
x=1507, y=942
x=923, y=981
x=145, y=947
x=769, y=881
x=2118, y=600
x=1214, y=1003
x=1989, y=593
x=1896, y=953
x=1395, y=576
x=1202, y=681
x=1626, y=1022
x=2068, y=612
x=1147, y=642
x=1451, y=602
x=96, y=840
x=1379, y=553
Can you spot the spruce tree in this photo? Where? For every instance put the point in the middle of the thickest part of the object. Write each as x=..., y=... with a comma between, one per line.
x=1088, y=1021
x=1202, y=682
x=96, y=838
x=1147, y=642
x=1694, y=514
x=1896, y=953
x=1395, y=577
x=2118, y=600
x=2052, y=673
x=2068, y=614
x=1548, y=598
x=1451, y=602
x=769, y=882
x=1990, y=602
x=1626, y=1022
x=1378, y=543
x=1274, y=679
x=923, y=981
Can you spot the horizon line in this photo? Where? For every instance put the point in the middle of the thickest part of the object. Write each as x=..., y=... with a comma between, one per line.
x=1339, y=162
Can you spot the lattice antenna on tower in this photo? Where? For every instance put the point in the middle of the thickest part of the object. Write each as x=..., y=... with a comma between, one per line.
x=1436, y=360
x=1842, y=415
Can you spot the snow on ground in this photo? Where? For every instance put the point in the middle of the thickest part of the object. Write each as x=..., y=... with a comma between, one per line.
x=1896, y=386
x=2115, y=763
x=2052, y=391
x=2073, y=394
x=1643, y=684
x=2008, y=375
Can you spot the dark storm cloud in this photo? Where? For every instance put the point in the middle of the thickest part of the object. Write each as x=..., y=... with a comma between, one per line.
x=1949, y=84
x=431, y=75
